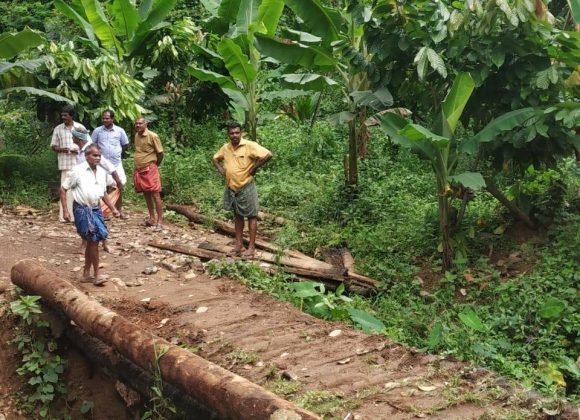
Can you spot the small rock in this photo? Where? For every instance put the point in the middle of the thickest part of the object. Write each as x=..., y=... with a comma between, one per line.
x=146, y=300
x=335, y=333
x=151, y=270
x=118, y=282
x=285, y=354
x=190, y=275
x=201, y=309
x=76, y=269
x=163, y=322
x=344, y=361
x=427, y=388
x=247, y=367
x=289, y=376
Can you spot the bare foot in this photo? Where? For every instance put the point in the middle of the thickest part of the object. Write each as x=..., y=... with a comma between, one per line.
x=236, y=252
x=107, y=248
x=249, y=253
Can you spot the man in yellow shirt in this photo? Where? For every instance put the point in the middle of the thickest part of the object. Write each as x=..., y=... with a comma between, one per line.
x=241, y=159
x=146, y=179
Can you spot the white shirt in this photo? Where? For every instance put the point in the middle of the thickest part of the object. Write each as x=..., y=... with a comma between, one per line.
x=62, y=137
x=87, y=187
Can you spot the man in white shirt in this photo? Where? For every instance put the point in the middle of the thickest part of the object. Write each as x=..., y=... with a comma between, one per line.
x=62, y=144
x=87, y=183
x=113, y=142
x=82, y=141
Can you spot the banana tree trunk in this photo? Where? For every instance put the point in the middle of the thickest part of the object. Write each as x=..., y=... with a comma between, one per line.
x=352, y=181
x=444, y=227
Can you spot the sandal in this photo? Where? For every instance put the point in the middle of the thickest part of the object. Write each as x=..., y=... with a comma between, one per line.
x=148, y=223
x=100, y=280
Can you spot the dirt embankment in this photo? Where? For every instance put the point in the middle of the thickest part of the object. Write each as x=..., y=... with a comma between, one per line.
x=327, y=367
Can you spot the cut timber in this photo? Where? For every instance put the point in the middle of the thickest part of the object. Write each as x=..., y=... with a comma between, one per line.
x=347, y=260
x=230, y=230
x=188, y=250
x=331, y=276
x=226, y=394
x=318, y=266
x=301, y=267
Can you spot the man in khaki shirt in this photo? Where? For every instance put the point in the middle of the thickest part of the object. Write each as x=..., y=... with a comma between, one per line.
x=241, y=159
x=146, y=178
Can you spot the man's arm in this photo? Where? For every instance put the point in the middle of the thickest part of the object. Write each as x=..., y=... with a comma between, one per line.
x=218, y=166
x=159, y=158
x=259, y=163
x=111, y=206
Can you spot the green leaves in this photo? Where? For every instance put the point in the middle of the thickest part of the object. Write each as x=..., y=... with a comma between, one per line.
x=210, y=76
x=236, y=61
x=269, y=14
x=473, y=180
x=457, y=98
x=294, y=53
x=552, y=308
x=377, y=100
x=415, y=132
x=425, y=57
x=309, y=81
x=320, y=20
x=506, y=122
x=366, y=321
x=470, y=319
x=11, y=44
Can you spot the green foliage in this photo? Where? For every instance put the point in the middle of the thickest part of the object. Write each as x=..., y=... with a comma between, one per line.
x=159, y=407
x=41, y=364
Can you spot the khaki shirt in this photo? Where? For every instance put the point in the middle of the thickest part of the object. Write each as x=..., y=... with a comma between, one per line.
x=147, y=146
x=239, y=161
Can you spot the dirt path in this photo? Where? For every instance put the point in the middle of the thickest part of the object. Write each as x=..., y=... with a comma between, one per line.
x=346, y=374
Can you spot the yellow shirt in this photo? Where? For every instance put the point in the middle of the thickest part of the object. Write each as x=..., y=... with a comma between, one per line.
x=239, y=161
x=147, y=146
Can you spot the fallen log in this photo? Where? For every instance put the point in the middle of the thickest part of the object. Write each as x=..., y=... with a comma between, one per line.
x=347, y=260
x=230, y=230
x=317, y=266
x=226, y=394
x=298, y=266
x=204, y=254
x=332, y=278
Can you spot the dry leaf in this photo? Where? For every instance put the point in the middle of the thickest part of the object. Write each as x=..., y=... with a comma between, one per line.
x=427, y=388
x=344, y=361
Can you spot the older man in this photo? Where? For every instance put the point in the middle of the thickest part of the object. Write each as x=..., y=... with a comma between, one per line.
x=62, y=143
x=146, y=179
x=82, y=140
x=87, y=182
x=241, y=159
x=113, y=142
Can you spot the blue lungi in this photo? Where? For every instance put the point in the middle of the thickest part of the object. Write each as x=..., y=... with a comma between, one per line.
x=90, y=223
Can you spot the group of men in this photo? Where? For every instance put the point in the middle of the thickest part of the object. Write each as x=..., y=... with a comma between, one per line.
x=91, y=164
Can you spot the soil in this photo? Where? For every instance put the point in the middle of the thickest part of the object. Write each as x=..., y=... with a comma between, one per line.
x=346, y=374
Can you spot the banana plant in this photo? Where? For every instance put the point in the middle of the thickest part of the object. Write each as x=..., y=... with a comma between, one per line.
x=119, y=25
x=333, y=43
x=443, y=150
x=17, y=76
x=235, y=55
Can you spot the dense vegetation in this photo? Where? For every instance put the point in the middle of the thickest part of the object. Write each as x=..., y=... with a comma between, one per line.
x=371, y=152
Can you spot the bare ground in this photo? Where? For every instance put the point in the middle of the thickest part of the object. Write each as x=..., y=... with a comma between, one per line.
x=349, y=375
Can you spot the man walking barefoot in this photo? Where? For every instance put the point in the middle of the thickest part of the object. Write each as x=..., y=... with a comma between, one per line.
x=88, y=183
x=241, y=159
x=146, y=179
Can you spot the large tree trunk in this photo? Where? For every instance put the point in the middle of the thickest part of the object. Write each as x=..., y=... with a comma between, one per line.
x=515, y=210
x=228, y=395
